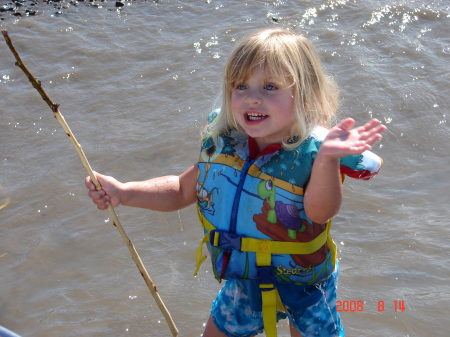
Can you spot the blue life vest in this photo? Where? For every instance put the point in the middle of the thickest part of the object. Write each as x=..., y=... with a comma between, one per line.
x=251, y=206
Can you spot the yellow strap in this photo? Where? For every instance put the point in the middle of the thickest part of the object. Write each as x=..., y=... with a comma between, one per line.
x=216, y=239
x=263, y=259
x=283, y=247
x=277, y=247
x=269, y=297
x=269, y=310
x=264, y=249
x=208, y=227
x=199, y=258
x=254, y=171
x=280, y=305
x=331, y=245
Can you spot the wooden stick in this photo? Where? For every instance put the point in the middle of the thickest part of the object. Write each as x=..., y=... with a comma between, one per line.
x=55, y=108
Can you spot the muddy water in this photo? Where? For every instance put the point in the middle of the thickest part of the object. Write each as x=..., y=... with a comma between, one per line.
x=135, y=86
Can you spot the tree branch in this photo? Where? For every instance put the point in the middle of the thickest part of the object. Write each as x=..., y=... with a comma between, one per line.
x=55, y=108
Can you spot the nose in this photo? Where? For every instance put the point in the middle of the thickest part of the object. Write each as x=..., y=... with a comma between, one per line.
x=254, y=96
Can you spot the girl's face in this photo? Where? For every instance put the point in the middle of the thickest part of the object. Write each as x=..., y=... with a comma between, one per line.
x=263, y=107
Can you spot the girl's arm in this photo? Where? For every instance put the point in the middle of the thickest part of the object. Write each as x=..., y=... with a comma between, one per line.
x=323, y=195
x=165, y=194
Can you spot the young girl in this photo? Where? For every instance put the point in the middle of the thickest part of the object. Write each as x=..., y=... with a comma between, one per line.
x=267, y=183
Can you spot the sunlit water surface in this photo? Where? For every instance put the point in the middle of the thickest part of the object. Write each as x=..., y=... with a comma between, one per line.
x=135, y=86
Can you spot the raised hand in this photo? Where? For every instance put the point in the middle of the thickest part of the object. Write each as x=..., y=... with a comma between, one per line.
x=344, y=140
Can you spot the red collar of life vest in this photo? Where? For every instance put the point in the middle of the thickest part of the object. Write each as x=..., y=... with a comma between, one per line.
x=255, y=152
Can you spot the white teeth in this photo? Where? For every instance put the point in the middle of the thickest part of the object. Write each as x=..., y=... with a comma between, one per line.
x=255, y=117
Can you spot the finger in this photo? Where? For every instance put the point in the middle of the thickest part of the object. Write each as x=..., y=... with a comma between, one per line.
x=375, y=138
x=381, y=128
x=346, y=124
x=367, y=126
x=89, y=184
x=376, y=131
x=97, y=195
x=101, y=203
x=362, y=146
x=99, y=177
x=376, y=125
x=370, y=129
x=102, y=207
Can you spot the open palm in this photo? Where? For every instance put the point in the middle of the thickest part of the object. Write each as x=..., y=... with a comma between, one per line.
x=343, y=141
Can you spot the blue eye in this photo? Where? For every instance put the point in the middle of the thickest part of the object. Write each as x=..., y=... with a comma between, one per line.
x=270, y=87
x=241, y=87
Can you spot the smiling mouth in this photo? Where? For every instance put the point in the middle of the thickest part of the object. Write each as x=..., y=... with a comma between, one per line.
x=255, y=117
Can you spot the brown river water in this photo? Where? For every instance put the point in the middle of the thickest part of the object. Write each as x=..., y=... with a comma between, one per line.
x=135, y=85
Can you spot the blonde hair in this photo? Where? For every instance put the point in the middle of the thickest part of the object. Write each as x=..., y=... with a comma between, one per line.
x=285, y=55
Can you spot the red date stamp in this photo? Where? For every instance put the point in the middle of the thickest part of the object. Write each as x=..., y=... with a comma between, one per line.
x=360, y=306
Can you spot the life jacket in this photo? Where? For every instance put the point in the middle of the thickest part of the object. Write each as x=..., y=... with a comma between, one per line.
x=250, y=205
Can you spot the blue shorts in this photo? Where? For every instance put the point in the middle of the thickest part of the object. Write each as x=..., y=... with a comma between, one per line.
x=237, y=310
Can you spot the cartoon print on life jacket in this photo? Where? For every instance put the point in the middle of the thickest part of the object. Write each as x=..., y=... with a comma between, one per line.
x=205, y=198
x=209, y=150
x=282, y=219
x=288, y=214
x=283, y=222
x=288, y=166
x=209, y=153
x=227, y=146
